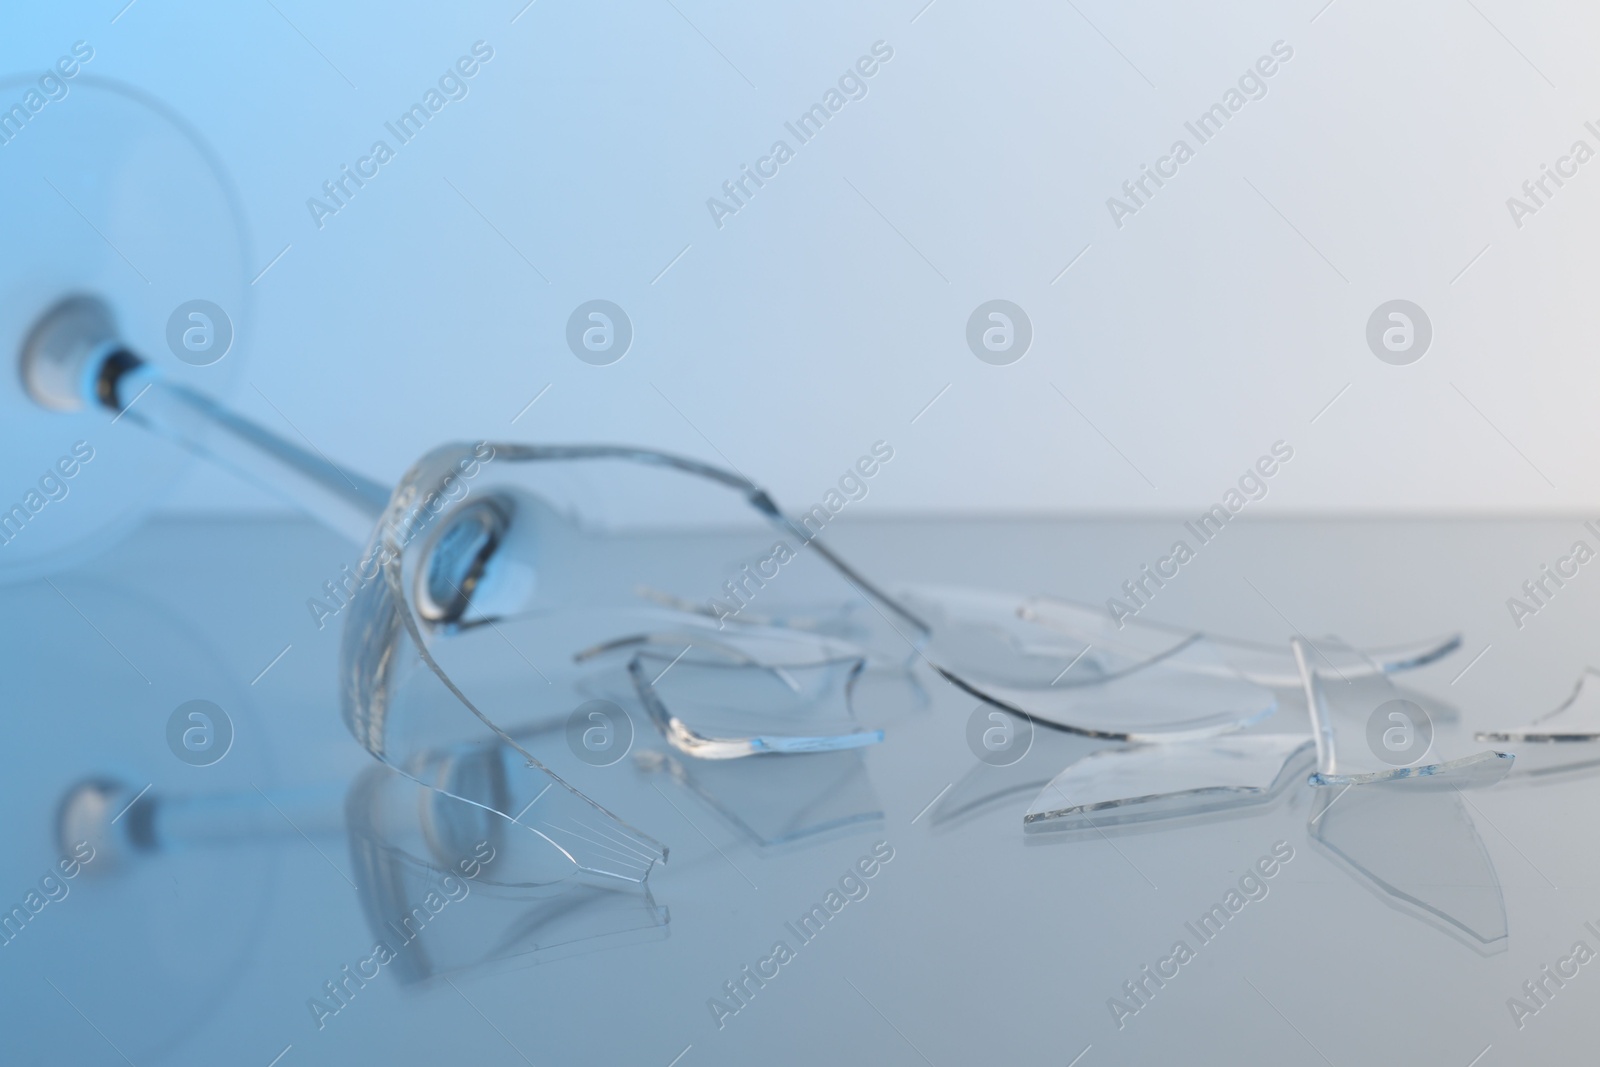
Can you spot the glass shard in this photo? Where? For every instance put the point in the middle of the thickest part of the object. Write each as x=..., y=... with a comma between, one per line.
x=980, y=644
x=410, y=713
x=1265, y=664
x=1413, y=842
x=1116, y=786
x=988, y=785
x=747, y=691
x=1575, y=720
x=1365, y=730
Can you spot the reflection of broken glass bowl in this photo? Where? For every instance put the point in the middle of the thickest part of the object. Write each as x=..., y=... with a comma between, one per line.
x=982, y=645
x=1116, y=786
x=459, y=858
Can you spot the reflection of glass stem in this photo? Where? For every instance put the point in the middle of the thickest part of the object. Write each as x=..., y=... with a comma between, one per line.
x=125, y=822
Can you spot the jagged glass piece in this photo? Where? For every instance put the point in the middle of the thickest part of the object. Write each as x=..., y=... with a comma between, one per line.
x=847, y=621
x=1270, y=665
x=1365, y=730
x=410, y=713
x=1413, y=842
x=1142, y=783
x=980, y=644
x=1575, y=720
x=747, y=691
x=987, y=785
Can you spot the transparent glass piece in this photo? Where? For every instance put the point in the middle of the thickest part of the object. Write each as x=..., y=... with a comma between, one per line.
x=986, y=786
x=1413, y=842
x=1269, y=665
x=409, y=713
x=1576, y=720
x=745, y=698
x=1116, y=786
x=779, y=801
x=980, y=644
x=1365, y=730
x=1560, y=743
x=846, y=621
x=481, y=567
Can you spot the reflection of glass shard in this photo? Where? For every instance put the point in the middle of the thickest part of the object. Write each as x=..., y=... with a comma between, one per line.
x=1365, y=730
x=1141, y=783
x=1413, y=842
x=980, y=644
x=1270, y=665
x=464, y=888
x=781, y=800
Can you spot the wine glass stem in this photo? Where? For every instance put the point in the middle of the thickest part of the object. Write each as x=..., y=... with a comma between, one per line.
x=342, y=500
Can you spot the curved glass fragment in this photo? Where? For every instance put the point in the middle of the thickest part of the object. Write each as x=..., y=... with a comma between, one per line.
x=1365, y=730
x=988, y=785
x=1265, y=664
x=1142, y=783
x=410, y=713
x=982, y=645
x=747, y=691
x=1561, y=742
x=1575, y=720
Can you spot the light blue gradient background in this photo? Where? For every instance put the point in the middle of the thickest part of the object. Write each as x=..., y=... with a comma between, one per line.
x=807, y=328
